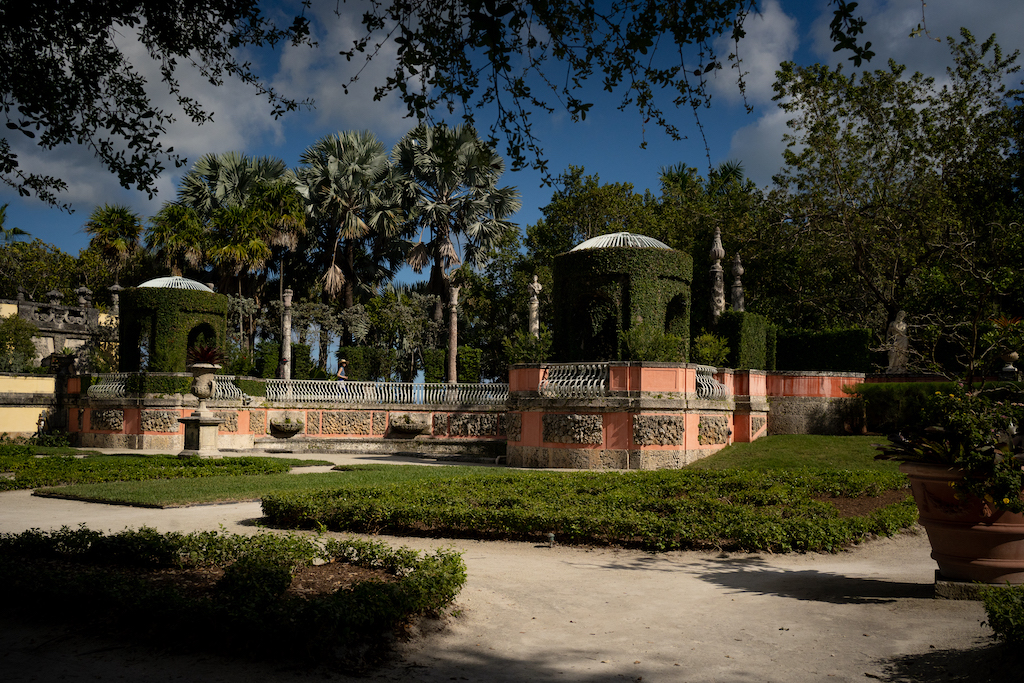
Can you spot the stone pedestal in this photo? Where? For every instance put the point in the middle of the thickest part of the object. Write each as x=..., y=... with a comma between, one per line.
x=200, y=435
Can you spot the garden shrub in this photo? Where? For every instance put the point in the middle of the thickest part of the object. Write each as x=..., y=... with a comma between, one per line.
x=647, y=343
x=302, y=361
x=892, y=406
x=523, y=347
x=746, y=335
x=433, y=361
x=468, y=362
x=158, y=325
x=1004, y=606
x=266, y=358
x=709, y=349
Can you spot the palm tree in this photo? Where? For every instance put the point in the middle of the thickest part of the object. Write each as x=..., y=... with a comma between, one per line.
x=229, y=179
x=9, y=234
x=451, y=188
x=349, y=190
x=178, y=237
x=115, y=231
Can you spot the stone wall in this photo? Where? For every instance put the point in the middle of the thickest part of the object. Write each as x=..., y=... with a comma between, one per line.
x=814, y=415
x=571, y=428
x=659, y=430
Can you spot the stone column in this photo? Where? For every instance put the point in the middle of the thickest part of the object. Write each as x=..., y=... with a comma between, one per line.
x=717, y=279
x=534, y=304
x=738, y=303
x=453, y=333
x=115, y=297
x=286, y=336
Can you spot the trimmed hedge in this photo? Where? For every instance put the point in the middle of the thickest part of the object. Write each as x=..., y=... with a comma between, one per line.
x=600, y=293
x=166, y=322
x=151, y=383
x=892, y=406
x=469, y=362
x=747, y=337
x=252, y=386
x=81, y=575
x=832, y=351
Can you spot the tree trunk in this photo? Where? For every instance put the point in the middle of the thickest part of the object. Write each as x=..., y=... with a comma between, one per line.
x=453, y=333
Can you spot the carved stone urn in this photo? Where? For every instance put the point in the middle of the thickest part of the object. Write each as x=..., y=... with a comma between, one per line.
x=204, y=382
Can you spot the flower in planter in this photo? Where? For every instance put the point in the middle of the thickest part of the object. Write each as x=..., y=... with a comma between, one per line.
x=204, y=355
x=975, y=432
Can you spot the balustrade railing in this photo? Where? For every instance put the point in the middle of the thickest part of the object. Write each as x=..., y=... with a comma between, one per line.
x=110, y=385
x=574, y=380
x=707, y=386
x=400, y=393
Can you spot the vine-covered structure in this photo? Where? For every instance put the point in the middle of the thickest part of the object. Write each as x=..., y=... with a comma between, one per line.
x=613, y=283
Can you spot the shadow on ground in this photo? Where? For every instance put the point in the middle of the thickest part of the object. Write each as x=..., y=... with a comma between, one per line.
x=986, y=663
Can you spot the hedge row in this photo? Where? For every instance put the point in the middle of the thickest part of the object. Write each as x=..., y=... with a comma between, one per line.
x=82, y=575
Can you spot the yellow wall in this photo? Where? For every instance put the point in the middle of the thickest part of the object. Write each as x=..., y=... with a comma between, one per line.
x=26, y=384
x=7, y=310
x=23, y=420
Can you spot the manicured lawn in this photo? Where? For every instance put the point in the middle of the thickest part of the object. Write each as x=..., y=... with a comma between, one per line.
x=792, y=451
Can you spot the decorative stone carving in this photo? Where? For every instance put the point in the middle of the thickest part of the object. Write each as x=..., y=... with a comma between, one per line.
x=440, y=424
x=159, y=421
x=474, y=424
x=257, y=423
x=717, y=253
x=346, y=422
x=571, y=428
x=111, y=420
x=659, y=430
x=514, y=426
x=757, y=424
x=230, y=419
x=409, y=423
x=738, y=303
x=712, y=430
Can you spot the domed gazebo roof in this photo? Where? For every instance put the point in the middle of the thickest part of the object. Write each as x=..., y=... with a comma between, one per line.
x=621, y=239
x=176, y=282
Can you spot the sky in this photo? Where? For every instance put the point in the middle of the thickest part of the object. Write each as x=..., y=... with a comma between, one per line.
x=607, y=144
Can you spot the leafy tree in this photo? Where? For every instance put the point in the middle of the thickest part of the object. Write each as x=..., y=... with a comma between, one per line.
x=65, y=78
x=514, y=58
x=909, y=187
x=451, y=185
x=16, y=347
x=115, y=231
x=39, y=268
x=580, y=208
x=9, y=234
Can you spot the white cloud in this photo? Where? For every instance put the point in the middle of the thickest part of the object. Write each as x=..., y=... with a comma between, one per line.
x=759, y=147
x=770, y=40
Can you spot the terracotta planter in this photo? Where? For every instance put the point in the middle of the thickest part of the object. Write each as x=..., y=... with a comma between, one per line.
x=966, y=544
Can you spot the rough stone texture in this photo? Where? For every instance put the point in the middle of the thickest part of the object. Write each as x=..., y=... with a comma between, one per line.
x=802, y=415
x=474, y=424
x=111, y=420
x=257, y=423
x=159, y=421
x=662, y=459
x=346, y=422
x=659, y=430
x=313, y=422
x=757, y=423
x=380, y=423
x=514, y=426
x=230, y=417
x=408, y=423
x=572, y=428
x=440, y=424
x=712, y=429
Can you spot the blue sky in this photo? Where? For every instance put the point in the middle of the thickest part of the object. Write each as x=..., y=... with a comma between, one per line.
x=607, y=143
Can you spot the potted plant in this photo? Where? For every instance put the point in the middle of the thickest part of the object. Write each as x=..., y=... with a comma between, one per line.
x=204, y=361
x=965, y=469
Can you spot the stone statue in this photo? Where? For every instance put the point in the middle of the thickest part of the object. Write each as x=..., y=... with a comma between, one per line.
x=899, y=344
x=534, y=303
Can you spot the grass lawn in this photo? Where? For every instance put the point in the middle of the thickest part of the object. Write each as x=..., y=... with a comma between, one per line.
x=791, y=451
x=224, y=489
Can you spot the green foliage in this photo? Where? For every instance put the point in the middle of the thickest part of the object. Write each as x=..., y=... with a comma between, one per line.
x=468, y=362
x=267, y=357
x=976, y=434
x=894, y=406
x=591, y=306
x=829, y=350
x=646, y=343
x=746, y=335
x=771, y=510
x=16, y=348
x=302, y=361
x=1004, y=606
x=433, y=365
x=165, y=322
x=251, y=386
x=78, y=573
x=523, y=347
x=30, y=472
x=370, y=364
x=709, y=349
x=141, y=383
